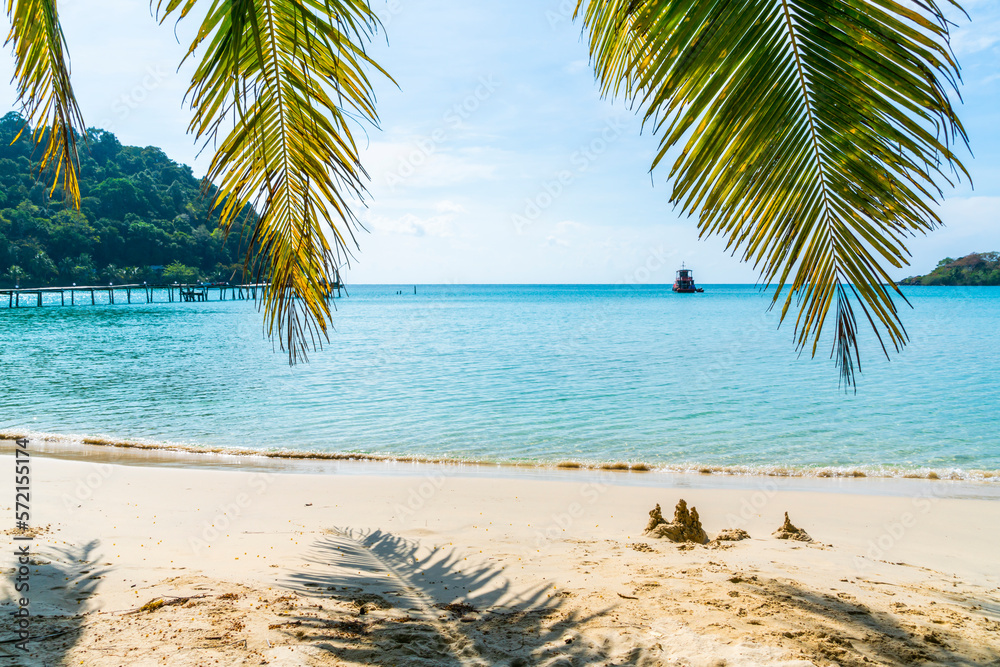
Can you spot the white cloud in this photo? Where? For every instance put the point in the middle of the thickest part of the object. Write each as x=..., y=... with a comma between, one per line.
x=968, y=42
x=421, y=163
x=411, y=225
x=569, y=226
x=448, y=206
x=564, y=233
x=979, y=33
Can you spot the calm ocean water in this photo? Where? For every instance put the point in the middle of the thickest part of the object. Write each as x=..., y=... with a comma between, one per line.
x=518, y=373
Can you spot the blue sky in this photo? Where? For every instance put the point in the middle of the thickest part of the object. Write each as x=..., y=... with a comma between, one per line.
x=497, y=161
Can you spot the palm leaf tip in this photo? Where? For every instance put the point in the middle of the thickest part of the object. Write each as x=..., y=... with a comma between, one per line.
x=814, y=136
x=292, y=77
x=42, y=76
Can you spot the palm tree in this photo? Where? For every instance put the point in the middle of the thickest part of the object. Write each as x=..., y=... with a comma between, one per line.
x=15, y=274
x=813, y=134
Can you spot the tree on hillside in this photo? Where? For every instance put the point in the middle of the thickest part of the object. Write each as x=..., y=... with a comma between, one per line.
x=813, y=136
x=977, y=268
x=15, y=274
x=137, y=208
x=179, y=273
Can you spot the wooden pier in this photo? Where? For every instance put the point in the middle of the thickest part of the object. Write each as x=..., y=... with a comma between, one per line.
x=141, y=293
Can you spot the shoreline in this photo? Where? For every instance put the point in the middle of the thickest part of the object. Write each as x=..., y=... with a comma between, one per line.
x=981, y=485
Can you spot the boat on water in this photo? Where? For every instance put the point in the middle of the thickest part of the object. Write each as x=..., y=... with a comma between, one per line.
x=684, y=282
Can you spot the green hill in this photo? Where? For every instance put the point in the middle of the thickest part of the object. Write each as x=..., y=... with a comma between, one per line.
x=142, y=217
x=978, y=268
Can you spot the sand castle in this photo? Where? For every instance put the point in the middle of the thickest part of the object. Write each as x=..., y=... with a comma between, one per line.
x=789, y=532
x=686, y=526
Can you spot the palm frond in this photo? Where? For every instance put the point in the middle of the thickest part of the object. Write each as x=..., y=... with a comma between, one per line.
x=811, y=134
x=44, y=90
x=275, y=90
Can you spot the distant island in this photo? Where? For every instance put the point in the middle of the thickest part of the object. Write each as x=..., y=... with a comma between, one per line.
x=978, y=268
x=143, y=217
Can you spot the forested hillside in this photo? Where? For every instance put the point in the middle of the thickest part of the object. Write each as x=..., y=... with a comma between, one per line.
x=143, y=217
x=977, y=268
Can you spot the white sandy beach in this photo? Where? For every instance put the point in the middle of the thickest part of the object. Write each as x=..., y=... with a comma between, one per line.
x=278, y=568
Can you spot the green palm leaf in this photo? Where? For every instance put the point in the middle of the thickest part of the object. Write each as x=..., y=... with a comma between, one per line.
x=811, y=134
x=276, y=90
x=43, y=86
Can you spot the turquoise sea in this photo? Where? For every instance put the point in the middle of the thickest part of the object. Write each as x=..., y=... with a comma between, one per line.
x=545, y=374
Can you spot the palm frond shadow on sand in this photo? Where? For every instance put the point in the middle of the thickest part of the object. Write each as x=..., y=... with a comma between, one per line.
x=410, y=607
x=846, y=631
x=62, y=580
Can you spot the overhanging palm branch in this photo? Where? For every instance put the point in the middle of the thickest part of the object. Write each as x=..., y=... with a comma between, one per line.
x=41, y=70
x=812, y=134
x=276, y=89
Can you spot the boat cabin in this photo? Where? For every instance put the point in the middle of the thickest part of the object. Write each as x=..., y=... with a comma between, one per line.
x=684, y=282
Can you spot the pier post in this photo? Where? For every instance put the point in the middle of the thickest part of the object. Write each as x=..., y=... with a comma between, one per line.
x=92, y=301
x=72, y=297
x=39, y=299
x=62, y=298
x=128, y=293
